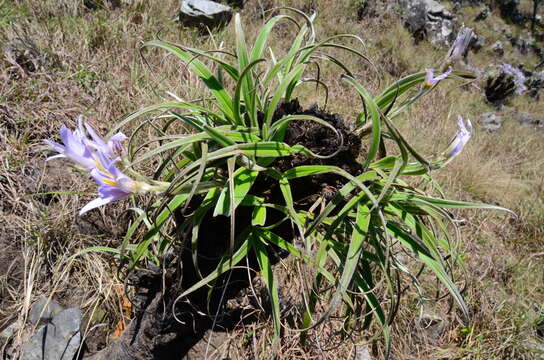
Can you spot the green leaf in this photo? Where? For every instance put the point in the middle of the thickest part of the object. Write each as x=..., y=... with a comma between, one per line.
x=359, y=233
x=227, y=262
x=211, y=82
x=258, y=216
x=374, y=114
x=278, y=95
x=243, y=181
x=432, y=263
x=269, y=280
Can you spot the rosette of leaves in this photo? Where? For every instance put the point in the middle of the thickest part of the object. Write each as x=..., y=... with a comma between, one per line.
x=244, y=162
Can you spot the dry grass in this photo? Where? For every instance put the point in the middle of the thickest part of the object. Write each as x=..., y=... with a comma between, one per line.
x=94, y=68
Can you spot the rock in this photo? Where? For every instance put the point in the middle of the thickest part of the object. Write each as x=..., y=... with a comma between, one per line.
x=25, y=55
x=490, y=121
x=374, y=8
x=477, y=43
x=204, y=12
x=497, y=48
x=362, y=353
x=483, y=14
x=528, y=120
x=534, y=82
x=58, y=340
x=43, y=311
x=428, y=18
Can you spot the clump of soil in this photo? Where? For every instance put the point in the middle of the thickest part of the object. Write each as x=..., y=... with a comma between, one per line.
x=322, y=141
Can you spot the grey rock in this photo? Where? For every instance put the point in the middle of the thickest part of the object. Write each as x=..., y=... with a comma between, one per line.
x=25, y=55
x=535, y=82
x=477, y=43
x=483, y=14
x=44, y=310
x=431, y=19
x=524, y=45
x=374, y=8
x=58, y=340
x=497, y=48
x=362, y=353
x=490, y=121
x=204, y=12
x=528, y=120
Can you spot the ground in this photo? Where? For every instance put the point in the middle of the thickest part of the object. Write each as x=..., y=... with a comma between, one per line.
x=90, y=62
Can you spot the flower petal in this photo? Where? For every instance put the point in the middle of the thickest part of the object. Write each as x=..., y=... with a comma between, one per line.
x=56, y=146
x=58, y=156
x=94, y=204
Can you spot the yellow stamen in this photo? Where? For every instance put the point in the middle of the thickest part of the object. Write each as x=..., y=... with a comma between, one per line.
x=110, y=182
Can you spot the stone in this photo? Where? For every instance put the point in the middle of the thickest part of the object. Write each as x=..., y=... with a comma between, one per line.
x=430, y=19
x=204, y=13
x=374, y=8
x=477, y=43
x=25, y=55
x=58, y=340
x=483, y=14
x=528, y=120
x=535, y=82
x=497, y=48
x=43, y=311
x=362, y=353
x=490, y=121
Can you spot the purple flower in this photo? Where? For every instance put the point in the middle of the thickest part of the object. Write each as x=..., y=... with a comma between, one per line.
x=82, y=150
x=430, y=79
x=98, y=157
x=112, y=147
x=112, y=183
x=519, y=77
x=460, y=140
x=74, y=147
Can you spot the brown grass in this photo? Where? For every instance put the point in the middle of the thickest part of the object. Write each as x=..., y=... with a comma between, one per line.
x=94, y=68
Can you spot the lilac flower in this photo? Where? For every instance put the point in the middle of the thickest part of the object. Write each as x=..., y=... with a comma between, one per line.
x=112, y=147
x=430, y=79
x=519, y=77
x=112, y=183
x=460, y=46
x=80, y=149
x=75, y=148
x=98, y=157
x=460, y=140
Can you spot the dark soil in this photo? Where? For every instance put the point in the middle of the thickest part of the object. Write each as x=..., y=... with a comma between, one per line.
x=323, y=141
